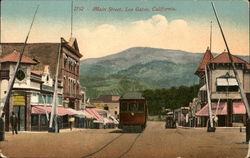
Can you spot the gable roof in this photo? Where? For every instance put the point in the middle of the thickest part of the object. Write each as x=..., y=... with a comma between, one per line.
x=206, y=58
x=224, y=58
x=14, y=57
x=73, y=43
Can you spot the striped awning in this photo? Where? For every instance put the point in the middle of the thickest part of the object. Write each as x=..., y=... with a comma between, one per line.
x=39, y=109
x=238, y=109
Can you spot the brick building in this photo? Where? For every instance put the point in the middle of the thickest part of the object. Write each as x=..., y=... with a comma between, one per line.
x=46, y=54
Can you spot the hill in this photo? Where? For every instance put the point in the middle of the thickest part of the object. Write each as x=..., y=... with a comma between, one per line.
x=137, y=69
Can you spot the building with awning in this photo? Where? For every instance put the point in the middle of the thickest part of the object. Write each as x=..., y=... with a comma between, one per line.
x=224, y=88
x=98, y=120
x=40, y=115
x=221, y=111
x=47, y=109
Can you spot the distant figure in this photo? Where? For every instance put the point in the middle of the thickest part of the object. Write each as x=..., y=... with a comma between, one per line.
x=71, y=121
x=14, y=122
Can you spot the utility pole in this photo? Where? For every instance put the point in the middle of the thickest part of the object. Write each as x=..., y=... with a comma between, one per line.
x=12, y=80
x=210, y=128
x=242, y=93
x=53, y=116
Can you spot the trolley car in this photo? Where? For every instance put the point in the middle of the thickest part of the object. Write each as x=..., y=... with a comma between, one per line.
x=133, y=112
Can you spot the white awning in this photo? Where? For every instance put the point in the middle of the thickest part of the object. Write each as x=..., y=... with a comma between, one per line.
x=227, y=82
x=232, y=82
x=222, y=82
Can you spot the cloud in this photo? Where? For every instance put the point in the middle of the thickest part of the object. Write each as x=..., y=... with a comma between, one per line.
x=157, y=31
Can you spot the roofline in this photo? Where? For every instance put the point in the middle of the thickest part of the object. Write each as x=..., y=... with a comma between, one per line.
x=245, y=62
x=20, y=62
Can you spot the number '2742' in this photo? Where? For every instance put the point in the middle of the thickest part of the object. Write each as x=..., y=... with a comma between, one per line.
x=78, y=8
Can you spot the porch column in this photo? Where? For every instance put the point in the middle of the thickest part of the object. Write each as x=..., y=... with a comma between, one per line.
x=28, y=112
x=230, y=113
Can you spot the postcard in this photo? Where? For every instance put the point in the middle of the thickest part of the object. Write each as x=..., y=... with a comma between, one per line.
x=124, y=79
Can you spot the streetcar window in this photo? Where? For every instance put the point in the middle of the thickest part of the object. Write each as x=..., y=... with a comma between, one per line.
x=141, y=107
x=132, y=107
x=124, y=107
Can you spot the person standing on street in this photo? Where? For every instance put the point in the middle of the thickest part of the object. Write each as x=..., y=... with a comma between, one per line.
x=71, y=121
x=14, y=122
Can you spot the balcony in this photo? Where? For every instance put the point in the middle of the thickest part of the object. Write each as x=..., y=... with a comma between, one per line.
x=71, y=95
x=4, y=74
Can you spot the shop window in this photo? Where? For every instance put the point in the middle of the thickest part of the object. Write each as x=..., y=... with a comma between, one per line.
x=43, y=120
x=141, y=107
x=124, y=107
x=238, y=118
x=34, y=120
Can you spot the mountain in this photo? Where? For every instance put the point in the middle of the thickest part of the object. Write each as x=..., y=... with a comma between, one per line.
x=139, y=68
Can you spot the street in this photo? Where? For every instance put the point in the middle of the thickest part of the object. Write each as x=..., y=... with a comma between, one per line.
x=154, y=142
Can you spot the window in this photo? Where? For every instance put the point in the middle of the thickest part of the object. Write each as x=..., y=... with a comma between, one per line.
x=133, y=107
x=34, y=120
x=141, y=107
x=227, y=88
x=43, y=120
x=49, y=99
x=227, y=85
x=41, y=99
x=124, y=107
x=115, y=112
x=60, y=102
x=34, y=98
x=238, y=118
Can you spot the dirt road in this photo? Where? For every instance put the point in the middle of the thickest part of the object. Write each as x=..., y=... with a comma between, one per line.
x=154, y=142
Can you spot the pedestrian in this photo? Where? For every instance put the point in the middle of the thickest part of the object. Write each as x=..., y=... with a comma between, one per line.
x=14, y=122
x=71, y=121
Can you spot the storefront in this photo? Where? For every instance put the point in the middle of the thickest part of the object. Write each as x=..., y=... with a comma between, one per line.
x=19, y=108
x=40, y=116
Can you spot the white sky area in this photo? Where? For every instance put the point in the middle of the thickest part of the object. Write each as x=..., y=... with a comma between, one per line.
x=156, y=31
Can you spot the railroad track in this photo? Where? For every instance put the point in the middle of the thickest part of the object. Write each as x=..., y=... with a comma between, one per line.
x=110, y=142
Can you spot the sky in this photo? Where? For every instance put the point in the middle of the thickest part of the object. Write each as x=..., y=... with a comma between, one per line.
x=121, y=24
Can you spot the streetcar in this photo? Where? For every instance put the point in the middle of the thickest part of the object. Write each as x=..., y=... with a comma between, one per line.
x=133, y=112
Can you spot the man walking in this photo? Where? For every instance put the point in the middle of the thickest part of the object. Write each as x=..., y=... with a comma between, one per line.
x=13, y=122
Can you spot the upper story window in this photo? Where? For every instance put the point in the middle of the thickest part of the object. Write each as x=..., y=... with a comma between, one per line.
x=227, y=83
x=65, y=57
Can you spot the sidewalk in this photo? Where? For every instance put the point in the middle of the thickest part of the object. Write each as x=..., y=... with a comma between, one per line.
x=61, y=131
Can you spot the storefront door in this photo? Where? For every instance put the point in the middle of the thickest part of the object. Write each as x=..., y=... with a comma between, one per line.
x=20, y=112
x=19, y=107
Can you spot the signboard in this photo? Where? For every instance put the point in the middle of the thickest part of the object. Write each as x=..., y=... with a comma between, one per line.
x=19, y=99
